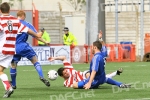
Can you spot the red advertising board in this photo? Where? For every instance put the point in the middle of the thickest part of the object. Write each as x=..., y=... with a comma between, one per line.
x=78, y=54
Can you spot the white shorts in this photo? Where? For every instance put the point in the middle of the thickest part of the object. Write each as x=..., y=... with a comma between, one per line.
x=84, y=74
x=5, y=60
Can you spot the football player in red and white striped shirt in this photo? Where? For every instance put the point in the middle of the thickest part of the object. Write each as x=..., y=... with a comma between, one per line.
x=71, y=75
x=9, y=28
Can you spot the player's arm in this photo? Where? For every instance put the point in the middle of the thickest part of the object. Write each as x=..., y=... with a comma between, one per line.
x=40, y=39
x=100, y=38
x=37, y=35
x=62, y=58
x=23, y=28
x=47, y=42
x=104, y=48
x=92, y=77
x=93, y=73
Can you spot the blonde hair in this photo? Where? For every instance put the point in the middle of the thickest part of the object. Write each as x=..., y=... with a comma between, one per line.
x=21, y=13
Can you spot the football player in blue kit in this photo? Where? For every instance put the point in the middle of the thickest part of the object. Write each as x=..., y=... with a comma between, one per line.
x=23, y=49
x=97, y=69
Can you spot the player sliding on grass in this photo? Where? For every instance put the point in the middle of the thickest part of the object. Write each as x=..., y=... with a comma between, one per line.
x=23, y=49
x=75, y=78
x=72, y=76
x=97, y=69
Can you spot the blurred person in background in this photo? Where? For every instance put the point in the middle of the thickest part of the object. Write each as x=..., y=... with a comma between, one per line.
x=68, y=38
x=45, y=37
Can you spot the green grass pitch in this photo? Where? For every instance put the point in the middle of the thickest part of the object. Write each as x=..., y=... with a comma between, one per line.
x=29, y=87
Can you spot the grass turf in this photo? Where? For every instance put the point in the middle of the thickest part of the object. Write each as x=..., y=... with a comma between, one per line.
x=29, y=86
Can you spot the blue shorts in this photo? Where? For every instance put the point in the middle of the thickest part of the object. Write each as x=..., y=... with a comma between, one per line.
x=23, y=50
x=95, y=84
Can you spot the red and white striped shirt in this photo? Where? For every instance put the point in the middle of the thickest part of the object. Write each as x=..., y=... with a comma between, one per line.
x=75, y=75
x=9, y=28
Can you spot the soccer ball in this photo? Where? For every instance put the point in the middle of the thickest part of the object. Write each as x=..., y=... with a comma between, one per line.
x=52, y=75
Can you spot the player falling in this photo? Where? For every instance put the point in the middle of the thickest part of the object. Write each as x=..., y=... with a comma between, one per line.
x=23, y=49
x=78, y=79
x=72, y=76
x=9, y=28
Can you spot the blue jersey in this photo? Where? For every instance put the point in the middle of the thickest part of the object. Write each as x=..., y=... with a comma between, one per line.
x=104, y=51
x=98, y=64
x=24, y=36
x=23, y=49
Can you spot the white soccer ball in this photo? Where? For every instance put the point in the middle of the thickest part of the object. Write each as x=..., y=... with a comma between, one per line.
x=52, y=75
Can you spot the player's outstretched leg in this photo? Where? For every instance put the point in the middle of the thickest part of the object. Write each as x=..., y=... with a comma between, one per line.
x=113, y=82
x=119, y=84
x=31, y=55
x=46, y=82
x=40, y=72
x=118, y=72
x=125, y=85
x=7, y=86
x=39, y=69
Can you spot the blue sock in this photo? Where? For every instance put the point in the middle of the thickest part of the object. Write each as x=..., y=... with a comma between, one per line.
x=113, y=82
x=13, y=74
x=39, y=69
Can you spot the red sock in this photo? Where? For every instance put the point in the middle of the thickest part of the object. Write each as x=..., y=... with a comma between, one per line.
x=5, y=81
x=7, y=84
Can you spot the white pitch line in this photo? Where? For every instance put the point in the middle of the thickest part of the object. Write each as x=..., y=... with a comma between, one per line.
x=141, y=65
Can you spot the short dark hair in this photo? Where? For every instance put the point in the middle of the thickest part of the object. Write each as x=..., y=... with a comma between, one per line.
x=4, y=7
x=98, y=45
x=60, y=71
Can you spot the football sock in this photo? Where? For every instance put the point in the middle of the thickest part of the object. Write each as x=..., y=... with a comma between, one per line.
x=112, y=82
x=13, y=74
x=5, y=81
x=111, y=75
x=39, y=69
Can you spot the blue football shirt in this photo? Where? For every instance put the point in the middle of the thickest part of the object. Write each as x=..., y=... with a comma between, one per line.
x=24, y=36
x=104, y=51
x=98, y=64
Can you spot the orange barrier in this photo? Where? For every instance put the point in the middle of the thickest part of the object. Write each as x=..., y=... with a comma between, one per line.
x=118, y=53
x=127, y=55
x=147, y=43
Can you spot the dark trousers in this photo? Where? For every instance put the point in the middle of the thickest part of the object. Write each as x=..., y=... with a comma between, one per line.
x=42, y=45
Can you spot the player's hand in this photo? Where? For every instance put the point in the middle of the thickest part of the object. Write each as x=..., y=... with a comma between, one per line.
x=51, y=58
x=100, y=34
x=87, y=86
x=72, y=44
x=47, y=43
x=39, y=34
